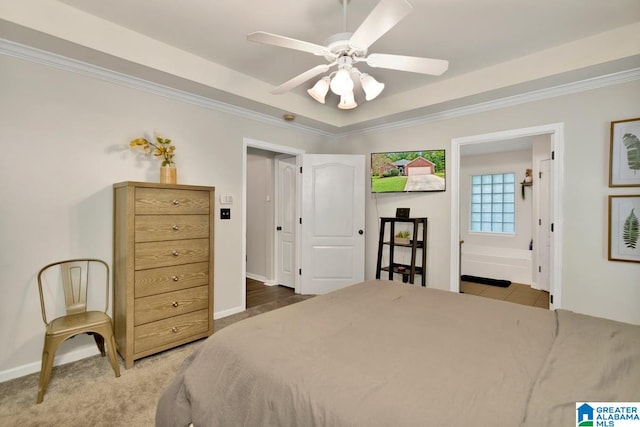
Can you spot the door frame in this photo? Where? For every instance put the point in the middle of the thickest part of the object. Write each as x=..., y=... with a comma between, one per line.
x=556, y=132
x=540, y=214
x=278, y=149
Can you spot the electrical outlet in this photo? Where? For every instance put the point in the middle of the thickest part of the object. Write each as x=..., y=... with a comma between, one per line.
x=225, y=213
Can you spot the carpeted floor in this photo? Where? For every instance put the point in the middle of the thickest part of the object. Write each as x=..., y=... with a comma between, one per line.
x=87, y=393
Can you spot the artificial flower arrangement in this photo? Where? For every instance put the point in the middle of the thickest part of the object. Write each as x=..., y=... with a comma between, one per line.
x=403, y=234
x=402, y=237
x=162, y=148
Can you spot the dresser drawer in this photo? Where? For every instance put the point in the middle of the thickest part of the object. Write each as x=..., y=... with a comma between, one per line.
x=167, y=279
x=172, y=252
x=166, y=331
x=156, y=201
x=162, y=306
x=151, y=228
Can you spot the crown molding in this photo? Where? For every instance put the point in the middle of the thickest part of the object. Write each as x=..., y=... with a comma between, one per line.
x=28, y=53
x=53, y=60
x=537, y=95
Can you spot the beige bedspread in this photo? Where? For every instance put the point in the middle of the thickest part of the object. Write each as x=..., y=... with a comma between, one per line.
x=383, y=353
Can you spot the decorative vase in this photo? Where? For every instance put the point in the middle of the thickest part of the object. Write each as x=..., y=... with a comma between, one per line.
x=168, y=175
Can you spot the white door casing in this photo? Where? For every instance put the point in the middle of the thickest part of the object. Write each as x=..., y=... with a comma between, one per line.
x=279, y=149
x=543, y=233
x=286, y=221
x=556, y=132
x=332, y=229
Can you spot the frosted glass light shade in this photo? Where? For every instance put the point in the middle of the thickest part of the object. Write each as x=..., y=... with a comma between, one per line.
x=320, y=89
x=341, y=83
x=371, y=86
x=347, y=101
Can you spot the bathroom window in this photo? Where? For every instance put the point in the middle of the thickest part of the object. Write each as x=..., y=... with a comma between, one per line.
x=493, y=203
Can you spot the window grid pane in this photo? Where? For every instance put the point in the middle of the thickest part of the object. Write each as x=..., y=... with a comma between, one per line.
x=493, y=203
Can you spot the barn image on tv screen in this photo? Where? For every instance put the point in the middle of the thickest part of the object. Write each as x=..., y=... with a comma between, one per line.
x=406, y=171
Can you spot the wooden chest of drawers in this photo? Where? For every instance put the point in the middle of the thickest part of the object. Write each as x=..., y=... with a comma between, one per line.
x=163, y=266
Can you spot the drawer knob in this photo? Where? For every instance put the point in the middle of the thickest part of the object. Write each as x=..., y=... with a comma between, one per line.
x=175, y=253
x=175, y=227
x=175, y=278
x=174, y=329
x=175, y=303
x=175, y=202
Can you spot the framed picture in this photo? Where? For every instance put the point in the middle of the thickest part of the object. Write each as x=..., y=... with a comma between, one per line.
x=624, y=158
x=624, y=228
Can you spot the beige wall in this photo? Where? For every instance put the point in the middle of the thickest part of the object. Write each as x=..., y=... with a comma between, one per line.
x=64, y=143
x=590, y=283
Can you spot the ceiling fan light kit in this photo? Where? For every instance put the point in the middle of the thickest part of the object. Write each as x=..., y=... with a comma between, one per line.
x=347, y=101
x=371, y=87
x=345, y=49
x=320, y=89
x=341, y=83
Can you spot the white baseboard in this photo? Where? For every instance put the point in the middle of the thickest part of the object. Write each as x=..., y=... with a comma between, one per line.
x=30, y=368
x=229, y=312
x=257, y=277
x=78, y=354
x=266, y=281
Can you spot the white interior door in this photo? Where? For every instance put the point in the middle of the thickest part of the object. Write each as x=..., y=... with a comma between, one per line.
x=286, y=223
x=332, y=255
x=544, y=235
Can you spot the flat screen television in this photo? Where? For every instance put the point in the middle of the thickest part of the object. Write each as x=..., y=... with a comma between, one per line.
x=408, y=171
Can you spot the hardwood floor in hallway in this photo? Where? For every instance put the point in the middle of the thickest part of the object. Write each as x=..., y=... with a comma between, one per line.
x=258, y=293
x=516, y=293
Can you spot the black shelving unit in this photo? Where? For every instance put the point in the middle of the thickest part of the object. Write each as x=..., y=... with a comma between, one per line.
x=418, y=243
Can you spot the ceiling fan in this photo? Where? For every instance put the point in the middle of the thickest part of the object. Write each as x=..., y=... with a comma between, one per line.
x=345, y=50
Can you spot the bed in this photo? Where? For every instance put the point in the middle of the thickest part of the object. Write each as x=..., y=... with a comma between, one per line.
x=383, y=353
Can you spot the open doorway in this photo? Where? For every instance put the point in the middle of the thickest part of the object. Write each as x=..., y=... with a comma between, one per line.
x=508, y=141
x=267, y=201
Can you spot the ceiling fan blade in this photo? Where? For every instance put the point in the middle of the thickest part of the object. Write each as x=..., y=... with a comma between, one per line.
x=382, y=18
x=413, y=64
x=289, y=43
x=301, y=78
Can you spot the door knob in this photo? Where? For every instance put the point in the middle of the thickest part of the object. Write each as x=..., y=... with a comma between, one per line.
x=360, y=232
x=279, y=228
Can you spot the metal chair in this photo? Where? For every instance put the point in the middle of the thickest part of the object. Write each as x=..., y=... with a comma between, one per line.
x=75, y=275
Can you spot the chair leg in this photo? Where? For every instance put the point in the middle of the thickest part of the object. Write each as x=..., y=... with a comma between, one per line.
x=99, y=342
x=113, y=358
x=48, y=354
x=106, y=331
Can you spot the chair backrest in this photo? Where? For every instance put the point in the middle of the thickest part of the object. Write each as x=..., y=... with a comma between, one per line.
x=76, y=275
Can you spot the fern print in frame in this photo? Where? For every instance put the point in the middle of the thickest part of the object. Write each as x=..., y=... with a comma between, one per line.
x=624, y=228
x=632, y=144
x=630, y=230
x=624, y=158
